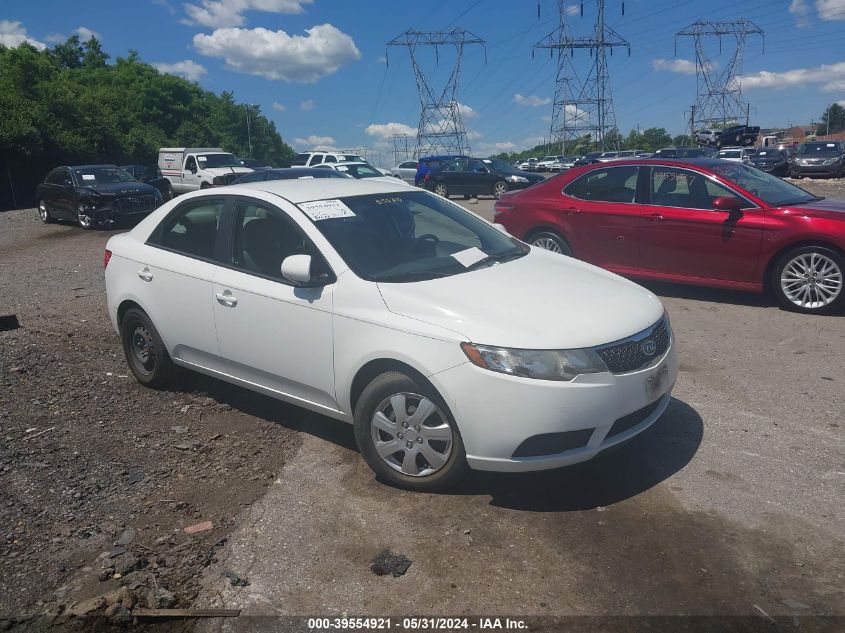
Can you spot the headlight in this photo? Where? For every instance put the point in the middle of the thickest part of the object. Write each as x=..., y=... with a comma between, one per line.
x=516, y=179
x=831, y=161
x=563, y=364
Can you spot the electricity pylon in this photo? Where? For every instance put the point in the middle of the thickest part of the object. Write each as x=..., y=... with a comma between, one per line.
x=719, y=93
x=583, y=107
x=441, y=129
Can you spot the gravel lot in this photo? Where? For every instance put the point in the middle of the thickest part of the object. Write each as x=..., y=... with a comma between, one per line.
x=731, y=504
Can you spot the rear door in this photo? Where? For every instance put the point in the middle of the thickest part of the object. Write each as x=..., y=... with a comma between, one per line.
x=272, y=333
x=454, y=174
x=682, y=234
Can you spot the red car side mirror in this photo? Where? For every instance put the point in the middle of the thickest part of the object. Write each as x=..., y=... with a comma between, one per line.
x=727, y=203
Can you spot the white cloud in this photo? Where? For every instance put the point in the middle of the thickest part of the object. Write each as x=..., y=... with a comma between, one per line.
x=387, y=130
x=473, y=135
x=682, y=66
x=187, y=68
x=222, y=13
x=55, y=38
x=489, y=149
x=382, y=59
x=166, y=4
x=313, y=141
x=279, y=107
x=466, y=111
x=13, y=33
x=830, y=76
x=533, y=100
x=86, y=34
x=276, y=55
x=842, y=103
x=801, y=11
x=572, y=9
x=830, y=9
x=307, y=105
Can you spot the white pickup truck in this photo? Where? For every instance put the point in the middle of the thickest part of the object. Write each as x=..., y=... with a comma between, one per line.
x=193, y=168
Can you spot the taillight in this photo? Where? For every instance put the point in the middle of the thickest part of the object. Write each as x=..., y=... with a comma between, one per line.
x=426, y=177
x=502, y=207
x=106, y=258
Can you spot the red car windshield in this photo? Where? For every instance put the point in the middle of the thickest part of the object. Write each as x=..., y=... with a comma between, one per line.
x=771, y=189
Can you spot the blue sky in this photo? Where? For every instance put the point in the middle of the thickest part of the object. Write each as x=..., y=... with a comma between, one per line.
x=317, y=67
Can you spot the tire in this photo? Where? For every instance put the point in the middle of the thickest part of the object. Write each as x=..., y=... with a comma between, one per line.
x=467, y=196
x=145, y=352
x=441, y=189
x=500, y=187
x=204, y=185
x=550, y=241
x=83, y=219
x=408, y=466
x=810, y=280
x=44, y=212
x=170, y=193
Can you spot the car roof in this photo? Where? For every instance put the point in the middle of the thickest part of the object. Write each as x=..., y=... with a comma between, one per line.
x=308, y=189
x=89, y=166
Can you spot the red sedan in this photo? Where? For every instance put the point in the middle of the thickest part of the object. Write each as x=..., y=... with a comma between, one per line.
x=700, y=221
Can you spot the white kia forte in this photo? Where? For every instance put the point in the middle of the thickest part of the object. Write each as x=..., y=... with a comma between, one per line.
x=447, y=343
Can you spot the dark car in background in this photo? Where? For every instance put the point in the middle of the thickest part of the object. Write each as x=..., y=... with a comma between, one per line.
x=152, y=176
x=774, y=161
x=288, y=173
x=819, y=158
x=588, y=159
x=427, y=164
x=94, y=195
x=680, y=152
x=473, y=177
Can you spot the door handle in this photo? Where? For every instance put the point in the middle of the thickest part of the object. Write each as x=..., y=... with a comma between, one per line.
x=571, y=210
x=656, y=217
x=145, y=274
x=227, y=299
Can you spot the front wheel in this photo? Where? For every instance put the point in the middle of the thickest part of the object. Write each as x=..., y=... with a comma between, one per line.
x=500, y=188
x=84, y=218
x=809, y=280
x=407, y=435
x=441, y=189
x=145, y=352
x=550, y=241
x=44, y=212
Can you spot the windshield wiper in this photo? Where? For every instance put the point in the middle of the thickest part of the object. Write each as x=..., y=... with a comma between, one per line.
x=414, y=275
x=500, y=258
x=790, y=203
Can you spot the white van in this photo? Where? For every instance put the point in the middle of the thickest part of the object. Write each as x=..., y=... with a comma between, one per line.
x=193, y=168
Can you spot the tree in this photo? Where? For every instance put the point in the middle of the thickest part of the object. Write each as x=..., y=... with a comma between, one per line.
x=835, y=114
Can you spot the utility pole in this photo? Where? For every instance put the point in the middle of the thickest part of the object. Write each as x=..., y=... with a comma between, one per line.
x=248, y=131
x=719, y=93
x=400, y=148
x=441, y=128
x=582, y=107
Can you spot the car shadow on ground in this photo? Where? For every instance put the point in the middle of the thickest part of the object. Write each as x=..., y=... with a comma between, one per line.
x=615, y=475
x=712, y=295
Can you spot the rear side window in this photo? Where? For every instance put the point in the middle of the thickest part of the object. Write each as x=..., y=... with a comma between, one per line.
x=300, y=160
x=56, y=177
x=330, y=159
x=615, y=184
x=191, y=229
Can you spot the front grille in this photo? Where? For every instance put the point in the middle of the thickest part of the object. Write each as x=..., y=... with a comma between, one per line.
x=228, y=179
x=638, y=351
x=553, y=443
x=632, y=419
x=135, y=204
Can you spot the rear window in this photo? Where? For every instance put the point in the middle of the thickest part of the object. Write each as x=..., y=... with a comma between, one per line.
x=300, y=160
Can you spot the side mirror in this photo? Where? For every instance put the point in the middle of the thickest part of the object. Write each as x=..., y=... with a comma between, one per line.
x=297, y=268
x=68, y=184
x=728, y=204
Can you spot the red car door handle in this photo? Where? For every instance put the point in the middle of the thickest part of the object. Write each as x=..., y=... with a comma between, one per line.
x=656, y=217
x=571, y=210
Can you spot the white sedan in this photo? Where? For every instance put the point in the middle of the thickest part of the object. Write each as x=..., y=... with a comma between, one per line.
x=447, y=343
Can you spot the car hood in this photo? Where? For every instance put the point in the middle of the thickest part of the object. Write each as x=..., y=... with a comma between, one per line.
x=541, y=301
x=118, y=189
x=220, y=171
x=827, y=206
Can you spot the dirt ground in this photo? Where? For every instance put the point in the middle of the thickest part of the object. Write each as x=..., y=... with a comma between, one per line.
x=730, y=504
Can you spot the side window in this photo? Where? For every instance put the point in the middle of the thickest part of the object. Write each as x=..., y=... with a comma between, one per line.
x=614, y=184
x=673, y=187
x=330, y=159
x=476, y=166
x=315, y=159
x=456, y=165
x=408, y=165
x=264, y=237
x=192, y=229
x=191, y=164
x=56, y=177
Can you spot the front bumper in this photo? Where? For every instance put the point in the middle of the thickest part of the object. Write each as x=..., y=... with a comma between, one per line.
x=816, y=170
x=498, y=415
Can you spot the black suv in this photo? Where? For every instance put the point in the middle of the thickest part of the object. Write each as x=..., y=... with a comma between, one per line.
x=474, y=177
x=819, y=158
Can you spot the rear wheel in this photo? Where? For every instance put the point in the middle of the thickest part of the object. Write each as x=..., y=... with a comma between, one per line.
x=145, y=352
x=441, y=189
x=169, y=193
x=407, y=435
x=44, y=212
x=550, y=241
x=84, y=218
x=810, y=280
x=499, y=188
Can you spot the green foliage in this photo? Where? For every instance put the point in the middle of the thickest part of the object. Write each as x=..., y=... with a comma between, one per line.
x=67, y=105
x=835, y=113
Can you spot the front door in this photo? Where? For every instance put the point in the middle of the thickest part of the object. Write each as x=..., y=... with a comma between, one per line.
x=479, y=180
x=682, y=234
x=272, y=333
x=191, y=179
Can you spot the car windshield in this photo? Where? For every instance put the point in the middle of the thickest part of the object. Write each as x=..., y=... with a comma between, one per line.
x=213, y=161
x=771, y=189
x=102, y=175
x=818, y=149
x=730, y=154
x=409, y=236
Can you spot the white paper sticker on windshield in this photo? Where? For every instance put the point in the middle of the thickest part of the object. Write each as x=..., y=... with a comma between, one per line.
x=469, y=256
x=326, y=210
x=89, y=177
x=831, y=144
x=202, y=159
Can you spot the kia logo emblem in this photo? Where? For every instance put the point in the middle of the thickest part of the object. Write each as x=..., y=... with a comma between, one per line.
x=648, y=347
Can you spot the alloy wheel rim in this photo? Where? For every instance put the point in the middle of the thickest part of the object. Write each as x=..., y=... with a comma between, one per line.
x=440, y=190
x=411, y=434
x=42, y=210
x=811, y=280
x=547, y=243
x=84, y=218
x=143, y=349
x=499, y=190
